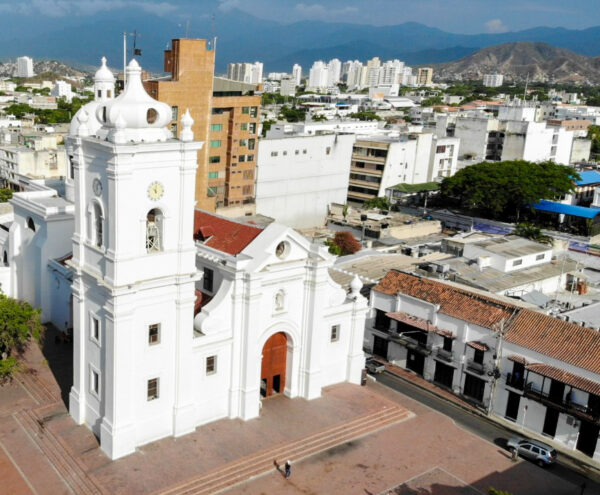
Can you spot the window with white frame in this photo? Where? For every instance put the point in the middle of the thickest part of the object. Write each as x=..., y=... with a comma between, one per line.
x=211, y=365
x=335, y=333
x=154, y=334
x=95, y=382
x=95, y=328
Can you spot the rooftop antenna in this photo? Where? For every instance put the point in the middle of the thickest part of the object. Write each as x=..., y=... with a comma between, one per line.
x=187, y=28
x=526, y=84
x=136, y=50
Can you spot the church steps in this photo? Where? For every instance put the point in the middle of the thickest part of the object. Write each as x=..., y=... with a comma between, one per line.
x=40, y=393
x=261, y=463
x=59, y=456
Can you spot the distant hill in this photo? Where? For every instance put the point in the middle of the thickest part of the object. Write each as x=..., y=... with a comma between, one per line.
x=245, y=38
x=517, y=61
x=44, y=69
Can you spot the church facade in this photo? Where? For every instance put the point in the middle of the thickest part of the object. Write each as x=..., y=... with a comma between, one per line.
x=180, y=317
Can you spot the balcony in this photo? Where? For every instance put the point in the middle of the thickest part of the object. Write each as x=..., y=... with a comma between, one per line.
x=445, y=355
x=569, y=407
x=411, y=343
x=475, y=367
x=516, y=382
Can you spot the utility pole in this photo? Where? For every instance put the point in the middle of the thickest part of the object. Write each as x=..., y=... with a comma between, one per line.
x=124, y=59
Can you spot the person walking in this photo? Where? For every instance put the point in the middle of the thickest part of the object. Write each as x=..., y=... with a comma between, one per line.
x=288, y=469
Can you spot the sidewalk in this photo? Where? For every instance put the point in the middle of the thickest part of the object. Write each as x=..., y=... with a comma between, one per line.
x=589, y=467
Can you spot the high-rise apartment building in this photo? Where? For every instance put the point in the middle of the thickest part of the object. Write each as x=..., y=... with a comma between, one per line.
x=245, y=72
x=297, y=74
x=318, y=76
x=25, y=67
x=191, y=64
x=334, y=70
x=225, y=117
x=493, y=80
x=424, y=76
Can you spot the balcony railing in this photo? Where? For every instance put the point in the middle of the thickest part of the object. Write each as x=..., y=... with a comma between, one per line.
x=516, y=382
x=566, y=406
x=411, y=343
x=475, y=367
x=444, y=354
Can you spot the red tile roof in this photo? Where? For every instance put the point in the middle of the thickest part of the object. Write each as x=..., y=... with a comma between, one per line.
x=474, y=308
x=201, y=300
x=517, y=359
x=559, y=339
x=565, y=377
x=412, y=320
x=222, y=234
x=480, y=346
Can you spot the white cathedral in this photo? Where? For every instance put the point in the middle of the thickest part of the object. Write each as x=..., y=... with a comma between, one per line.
x=180, y=317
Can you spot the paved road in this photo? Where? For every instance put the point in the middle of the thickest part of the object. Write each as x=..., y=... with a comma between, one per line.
x=483, y=428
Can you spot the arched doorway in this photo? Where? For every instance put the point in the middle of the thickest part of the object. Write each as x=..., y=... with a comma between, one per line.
x=274, y=357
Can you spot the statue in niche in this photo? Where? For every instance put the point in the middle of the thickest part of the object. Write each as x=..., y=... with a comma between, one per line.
x=279, y=301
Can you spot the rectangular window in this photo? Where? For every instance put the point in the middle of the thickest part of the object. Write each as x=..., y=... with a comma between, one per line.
x=154, y=334
x=243, y=127
x=440, y=149
x=247, y=190
x=335, y=333
x=248, y=174
x=246, y=110
x=242, y=158
x=297, y=152
x=243, y=142
x=478, y=356
x=217, y=111
x=211, y=365
x=95, y=382
x=207, y=280
x=328, y=150
x=274, y=153
x=175, y=113
x=304, y=152
x=215, y=143
x=213, y=175
x=173, y=130
x=251, y=144
x=216, y=127
x=253, y=111
x=540, y=257
x=252, y=128
x=214, y=159
x=95, y=328
x=517, y=262
x=153, y=389
x=250, y=158
x=285, y=153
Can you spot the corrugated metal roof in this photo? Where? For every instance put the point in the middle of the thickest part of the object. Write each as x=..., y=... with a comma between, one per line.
x=573, y=210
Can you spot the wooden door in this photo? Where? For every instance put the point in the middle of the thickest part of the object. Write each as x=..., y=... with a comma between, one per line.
x=273, y=368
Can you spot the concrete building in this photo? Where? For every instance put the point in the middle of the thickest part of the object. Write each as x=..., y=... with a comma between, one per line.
x=288, y=86
x=424, y=76
x=318, y=77
x=529, y=368
x=62, y=89
x=382, y=162
x=300, y=175
x=25, y=67
x=297, y=74
x=334, y=69
x=493, y=80
x=245, y=72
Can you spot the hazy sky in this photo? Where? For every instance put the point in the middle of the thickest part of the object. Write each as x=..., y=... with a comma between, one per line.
x=460, y=16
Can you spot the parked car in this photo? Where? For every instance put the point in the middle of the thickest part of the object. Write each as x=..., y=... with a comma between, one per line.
x=374, y=367
x=538, y=452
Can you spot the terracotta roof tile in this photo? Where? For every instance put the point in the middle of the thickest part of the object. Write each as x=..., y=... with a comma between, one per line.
x=480, y=346
x=565, y=377
x=474, y=308
x=223, y=234
x=412, y=320
x=201, y=300
x=517, y=359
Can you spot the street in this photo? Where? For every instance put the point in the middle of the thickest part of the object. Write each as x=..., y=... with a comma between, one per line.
x=483, y=428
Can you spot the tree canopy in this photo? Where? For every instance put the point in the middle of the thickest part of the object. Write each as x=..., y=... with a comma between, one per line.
x=503, y=189
x=532, y=232
x=5, y=195
x=343, y=243
x=381, y=202
x=19, y=322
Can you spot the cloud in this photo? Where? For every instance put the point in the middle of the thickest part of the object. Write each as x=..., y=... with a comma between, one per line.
x=62, y=8
x=495, y=26
x=319, y=11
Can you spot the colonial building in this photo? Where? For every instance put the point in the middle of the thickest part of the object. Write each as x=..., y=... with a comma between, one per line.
x=180, y=317
x=538, y=371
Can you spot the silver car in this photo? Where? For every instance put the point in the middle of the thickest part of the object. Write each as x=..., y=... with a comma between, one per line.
x=538, y=452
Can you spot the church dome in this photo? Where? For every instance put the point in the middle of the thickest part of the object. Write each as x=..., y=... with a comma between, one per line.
x=134, y=116
x=103, y=74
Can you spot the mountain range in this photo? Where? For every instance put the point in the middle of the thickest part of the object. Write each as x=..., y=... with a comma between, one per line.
x=243, y=37
x=525, y=60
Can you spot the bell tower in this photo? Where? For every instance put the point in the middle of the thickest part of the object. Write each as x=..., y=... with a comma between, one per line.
x=134, y=270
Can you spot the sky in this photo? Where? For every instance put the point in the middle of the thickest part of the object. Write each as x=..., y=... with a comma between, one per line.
x=458, y=16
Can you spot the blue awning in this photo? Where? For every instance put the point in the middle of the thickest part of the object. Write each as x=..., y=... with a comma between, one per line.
x=574, y=211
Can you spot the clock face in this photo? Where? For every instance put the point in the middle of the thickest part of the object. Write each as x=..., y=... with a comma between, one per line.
x=155, y=191
x=97, y=187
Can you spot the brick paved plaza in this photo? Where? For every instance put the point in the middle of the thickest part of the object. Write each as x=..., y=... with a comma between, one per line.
x=353, y=440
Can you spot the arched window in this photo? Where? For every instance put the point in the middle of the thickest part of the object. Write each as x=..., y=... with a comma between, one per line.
x=96, y=224
x=154, y=227
x=31, y=224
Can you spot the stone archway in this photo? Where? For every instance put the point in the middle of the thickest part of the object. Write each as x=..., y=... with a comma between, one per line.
x=274, y=364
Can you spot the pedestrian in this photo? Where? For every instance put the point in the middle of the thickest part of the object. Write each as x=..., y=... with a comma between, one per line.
x=288, y=469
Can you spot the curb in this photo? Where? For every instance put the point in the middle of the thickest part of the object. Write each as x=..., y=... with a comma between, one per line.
x=585, y=467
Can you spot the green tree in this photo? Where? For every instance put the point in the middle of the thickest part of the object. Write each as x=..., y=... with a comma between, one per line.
x=19, y=322
x=594, y=135
x=365, y=115
x=266, y=125
x=319, y=118
x=380, y=202
x=5, y=195
x=504, y=189
x=292, y=114
x=430, y=102
x=532, y=232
